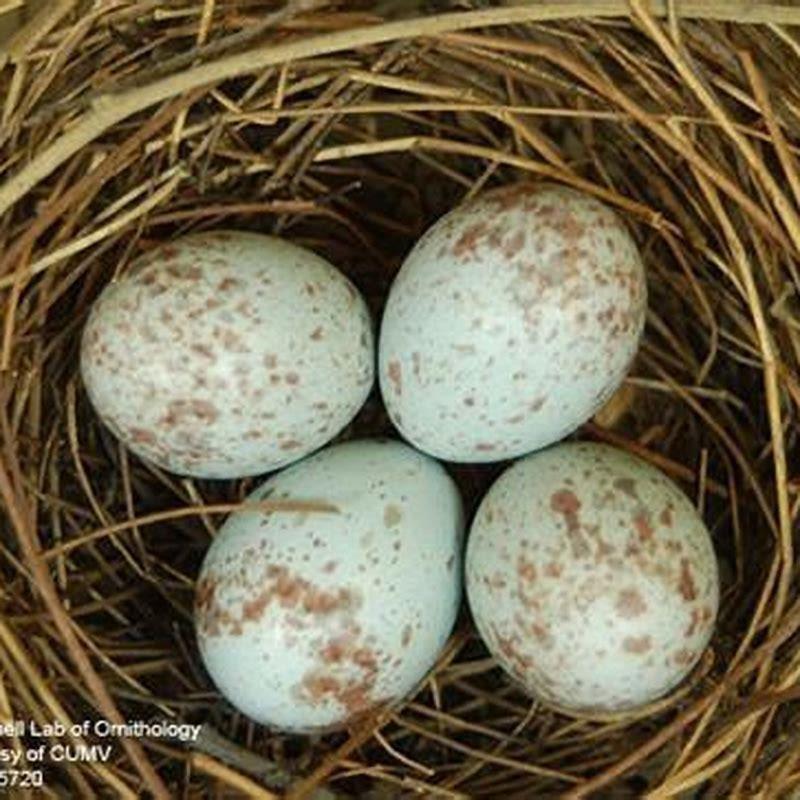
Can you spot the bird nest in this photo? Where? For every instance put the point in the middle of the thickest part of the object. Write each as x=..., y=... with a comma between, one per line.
x=349, y=128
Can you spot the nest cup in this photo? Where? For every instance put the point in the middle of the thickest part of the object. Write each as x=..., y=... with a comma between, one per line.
x=349, y=129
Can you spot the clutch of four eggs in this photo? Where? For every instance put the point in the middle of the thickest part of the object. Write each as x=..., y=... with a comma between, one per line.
x=590, y=576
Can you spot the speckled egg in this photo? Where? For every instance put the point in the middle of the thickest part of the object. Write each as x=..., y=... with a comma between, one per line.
x=305, y=620
x=226, y=354
x=592, y=578
x=511, y=322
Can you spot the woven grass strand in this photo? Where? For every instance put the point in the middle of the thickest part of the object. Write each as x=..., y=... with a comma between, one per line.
x=108, y=110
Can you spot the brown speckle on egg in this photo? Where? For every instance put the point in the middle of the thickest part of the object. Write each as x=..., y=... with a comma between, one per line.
x=637, y=644
x=392, y=515
x=687, y=586
x=180, y=411
x=641, y=522
x=395, y=373
x=630, y=604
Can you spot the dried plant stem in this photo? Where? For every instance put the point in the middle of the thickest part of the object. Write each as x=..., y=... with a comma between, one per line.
x=230, y=777
x=108, y=110
x=28, y=541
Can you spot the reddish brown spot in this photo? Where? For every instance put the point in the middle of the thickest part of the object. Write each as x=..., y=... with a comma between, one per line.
x=641, y=522
x=316, y=334
x=627, y=486
x=665, y=517
x=187, y=411
x=277, y=585
x=290, y=444
x=687, y=586
x=330, y=683
x=204, y=597
x=517, y=661
x=329, y=566
x=526, y=570
x=694, y=624
x=142, y=436
x=514, y=244
x=253, y=609
x=202, y=350
x=227, y=283
x=566, y=503
x=509, y=197
x=484, y=447
x=395, y=373
x=684, y=657
x=184, y=272
x=334, y=651
x=604, y=549
x=270, y=361
x=630, y=604
x=168, y=253
x=392, y=515
x=318, y=687
x=406, y=638
x=232, y=341
x=292, y=378
x=636, y=644
x=553, y=569
x=632, y=550
x=319, y=601
x=540, y=632
x=606, y=316
x=497, y=581
x=467, y=243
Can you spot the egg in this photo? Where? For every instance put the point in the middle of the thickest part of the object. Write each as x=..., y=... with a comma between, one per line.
x=225, y=354
x=512, y=321
x=591, y=578
x=306, y=620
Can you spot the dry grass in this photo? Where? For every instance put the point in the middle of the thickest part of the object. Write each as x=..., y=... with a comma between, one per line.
x=137, y=121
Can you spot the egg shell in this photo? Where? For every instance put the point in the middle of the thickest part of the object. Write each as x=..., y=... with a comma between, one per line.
x=591, y=578
x=225, y=354
x=305, y=620
x=513, y=319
